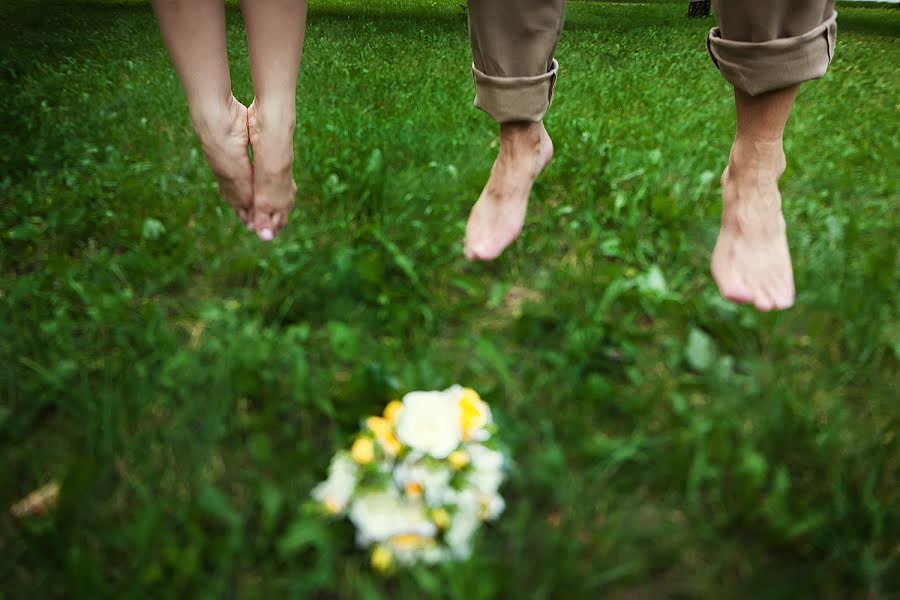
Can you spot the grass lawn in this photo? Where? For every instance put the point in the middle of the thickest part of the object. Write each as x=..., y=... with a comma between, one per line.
x=188, y=385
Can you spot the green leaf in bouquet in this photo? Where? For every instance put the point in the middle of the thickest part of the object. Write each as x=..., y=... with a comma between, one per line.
x=428, y=581
x=302, y=533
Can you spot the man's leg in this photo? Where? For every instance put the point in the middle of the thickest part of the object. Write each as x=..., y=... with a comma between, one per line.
x=513, y=43
x=194, y=33
x=275, y=31
x=766, y=49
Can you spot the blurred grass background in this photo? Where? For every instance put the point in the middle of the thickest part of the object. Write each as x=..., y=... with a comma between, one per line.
x=188, y=385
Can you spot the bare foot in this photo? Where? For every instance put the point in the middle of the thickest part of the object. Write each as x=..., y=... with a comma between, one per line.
x=751, y=262
x=497, y=218
x=272, y=140
x=224, y=137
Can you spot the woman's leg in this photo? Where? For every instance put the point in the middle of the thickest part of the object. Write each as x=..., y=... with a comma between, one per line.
x=194, y=33
x=766, y=49
x=275, y=30
x=513, y=43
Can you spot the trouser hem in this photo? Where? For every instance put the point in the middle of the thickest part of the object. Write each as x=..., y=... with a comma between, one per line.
x=515, y=99
x=760, y=67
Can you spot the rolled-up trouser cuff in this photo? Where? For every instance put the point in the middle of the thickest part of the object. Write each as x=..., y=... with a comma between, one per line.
x=759, y=67
x=510, y=99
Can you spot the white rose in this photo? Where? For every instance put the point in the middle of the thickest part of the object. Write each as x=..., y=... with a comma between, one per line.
x=487, y=468
x=335, y=491
x=378, y=516
x=430, y=423
x=407, y=549
x=435, y=481
x=494, y=505
x=461, y=531
x=487, y=482
x=434, y=554
x=404, y=555
x=486, y=477
x=485, y=459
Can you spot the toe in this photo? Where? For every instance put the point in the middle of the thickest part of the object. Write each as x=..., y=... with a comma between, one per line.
x=263, y=225
x=730, y=282
x=734, y=289
x=788, y=291
x=763, y=303
x=736, y=294
x=470, y=247
x=783, y=304
x=280, y=219
x=480, y=252
x=763, y=299
x=783, y=294
x=472, y=253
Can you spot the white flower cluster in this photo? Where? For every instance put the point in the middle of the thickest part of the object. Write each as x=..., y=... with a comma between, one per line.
x=419, y=480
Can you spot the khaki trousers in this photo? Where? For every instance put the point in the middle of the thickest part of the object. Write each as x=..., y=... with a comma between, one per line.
x=759, y=46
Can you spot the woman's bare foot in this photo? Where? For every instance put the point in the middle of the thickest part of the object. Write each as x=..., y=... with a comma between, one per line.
x=224, y=136
x=272, y=140
x=751, y=262
x=497, y=218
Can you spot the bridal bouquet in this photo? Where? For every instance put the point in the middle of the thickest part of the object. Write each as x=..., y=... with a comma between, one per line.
x=419, y=480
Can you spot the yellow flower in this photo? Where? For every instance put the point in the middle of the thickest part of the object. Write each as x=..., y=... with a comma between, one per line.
x=363, y=450
x=391, y=411
x=474, y=412
x=382, y=558
x=413, y=489
x=441, y=518
x=384, y=433
x=379, y=426
x=458, y=459
x=408, y=541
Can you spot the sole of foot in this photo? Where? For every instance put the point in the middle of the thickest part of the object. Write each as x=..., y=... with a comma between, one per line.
x=499, y=214
x=751, y=263
x=274, y=189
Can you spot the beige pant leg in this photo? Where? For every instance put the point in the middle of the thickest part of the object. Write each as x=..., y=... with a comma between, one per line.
x=513, y=43
x=766, y=45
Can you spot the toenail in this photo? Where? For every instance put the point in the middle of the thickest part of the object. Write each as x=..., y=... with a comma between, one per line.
x=266, y=235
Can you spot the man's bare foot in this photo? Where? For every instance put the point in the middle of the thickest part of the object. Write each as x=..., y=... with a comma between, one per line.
x=272, y=140
x=225, y=138
x=497, y=218
x=751, y=262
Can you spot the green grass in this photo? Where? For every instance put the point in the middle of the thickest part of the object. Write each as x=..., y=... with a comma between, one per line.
x=188, y=385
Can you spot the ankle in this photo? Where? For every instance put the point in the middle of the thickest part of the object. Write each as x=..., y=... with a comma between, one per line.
x=272, y=117
x=517, y=135
x=525, y=145
x=214, y=120
x=754, y=156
